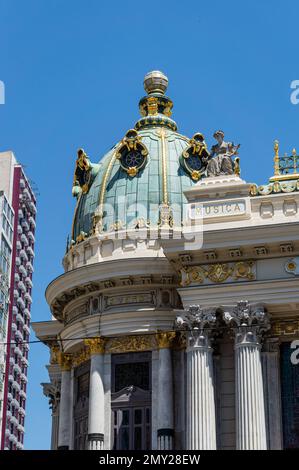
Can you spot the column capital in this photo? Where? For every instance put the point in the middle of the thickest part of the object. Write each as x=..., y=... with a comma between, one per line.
x=64, y=360
x=196, y=321
x=196, y=318
x=251, y=321
x=96, y=345
x=164, y=339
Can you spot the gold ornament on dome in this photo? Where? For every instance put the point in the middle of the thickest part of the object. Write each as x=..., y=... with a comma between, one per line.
x=132, y=153
x=195, y=157
x=195, y=175
x=152, y=105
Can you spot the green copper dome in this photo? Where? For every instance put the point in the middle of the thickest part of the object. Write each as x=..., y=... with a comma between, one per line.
x=140, y=181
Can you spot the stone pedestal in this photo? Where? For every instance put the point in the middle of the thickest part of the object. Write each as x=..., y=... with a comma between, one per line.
x=201, y=420
x=165, y=431
x=96, y=421
x=249, y=321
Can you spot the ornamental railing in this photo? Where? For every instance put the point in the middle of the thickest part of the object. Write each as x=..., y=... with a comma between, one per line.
x=286, y=166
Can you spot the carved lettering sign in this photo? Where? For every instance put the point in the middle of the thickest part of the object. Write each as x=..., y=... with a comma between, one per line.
x=207, y=210
x=119, y=300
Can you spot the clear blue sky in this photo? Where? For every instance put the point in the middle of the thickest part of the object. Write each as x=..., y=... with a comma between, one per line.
x=73, y=72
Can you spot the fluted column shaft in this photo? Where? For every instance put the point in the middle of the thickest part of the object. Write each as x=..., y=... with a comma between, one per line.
x=201, y=421
x=96, y=415
x=165, y=431
x=250, y=407
x=271, y=374
x=64, y=411
x=249, y=322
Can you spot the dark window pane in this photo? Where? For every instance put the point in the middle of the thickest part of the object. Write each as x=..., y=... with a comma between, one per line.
x=125, y=418
x=132, y=374
x=138, y=438
x=138, y=416
x=124, y=439
x=115, y=439
x=148, y=415
x=148, y=438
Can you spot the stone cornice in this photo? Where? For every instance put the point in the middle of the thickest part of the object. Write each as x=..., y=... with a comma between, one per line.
x=97, y=272
x=275, y=292
x=90, y=279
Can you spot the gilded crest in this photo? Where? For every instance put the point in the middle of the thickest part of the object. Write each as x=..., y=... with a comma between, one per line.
x=132, y=153
x=195, y=157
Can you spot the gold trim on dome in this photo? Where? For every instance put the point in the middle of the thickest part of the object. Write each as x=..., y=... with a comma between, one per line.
x=97, y=223
x=96, y=345
x=131, y=344
x=164, y=339
x=152, y=105
x=162, y=134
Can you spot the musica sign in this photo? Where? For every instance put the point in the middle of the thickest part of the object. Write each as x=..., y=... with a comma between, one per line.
x=207, y=210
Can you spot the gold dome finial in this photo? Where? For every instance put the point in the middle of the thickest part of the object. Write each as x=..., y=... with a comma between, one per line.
x=155, y=82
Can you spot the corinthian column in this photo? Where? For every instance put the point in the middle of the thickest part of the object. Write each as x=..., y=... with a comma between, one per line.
x=201, y=421
x=249, y=321
x=65, y=362
x=165, y=393
x=96, y=394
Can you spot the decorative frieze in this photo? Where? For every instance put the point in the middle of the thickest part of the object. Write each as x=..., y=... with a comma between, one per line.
x=287, y=327
x=164, y=339
x=64, y=360
x=80, y=357
x=219, y=273
x=131, y=344
x=292, y=266
x=95, y=345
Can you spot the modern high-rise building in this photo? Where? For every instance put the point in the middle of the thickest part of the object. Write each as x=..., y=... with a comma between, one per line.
x=17, y=228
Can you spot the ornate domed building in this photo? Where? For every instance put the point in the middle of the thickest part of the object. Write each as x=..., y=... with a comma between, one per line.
x=174, y=319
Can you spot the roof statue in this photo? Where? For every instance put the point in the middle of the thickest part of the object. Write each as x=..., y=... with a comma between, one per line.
x=221, y=154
